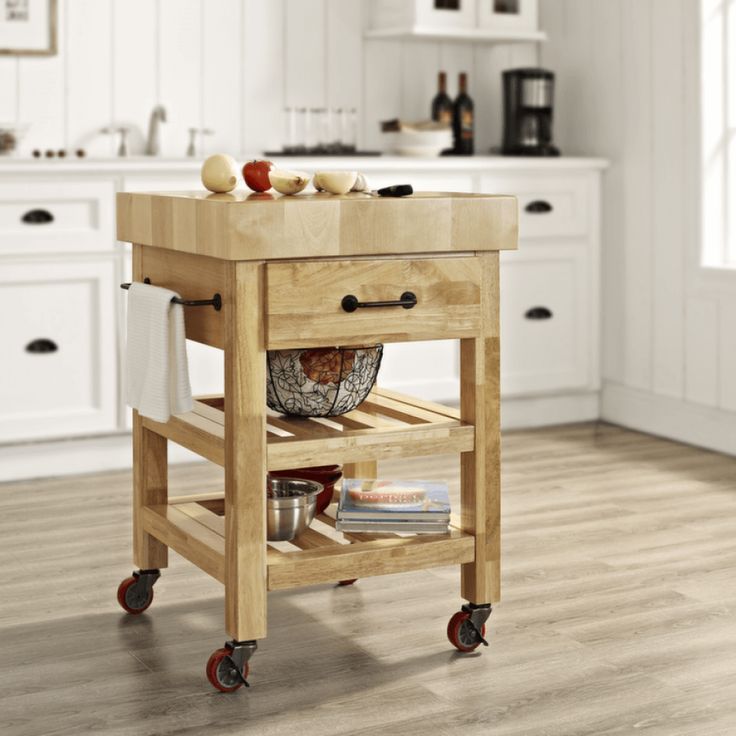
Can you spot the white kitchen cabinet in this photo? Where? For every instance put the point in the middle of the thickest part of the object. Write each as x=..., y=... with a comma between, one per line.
x=59, y=366
x=545, y=328
x=507, y=15
x=550, y=204
x=439, y=14
x=56, y=216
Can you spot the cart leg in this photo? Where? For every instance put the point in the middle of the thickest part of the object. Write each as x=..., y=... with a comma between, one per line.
x=480, y=469
x=150, y=487
x=245, y=455
x=363, y=469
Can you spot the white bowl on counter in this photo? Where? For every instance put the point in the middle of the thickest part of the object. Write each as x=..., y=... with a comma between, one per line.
x=425, y=143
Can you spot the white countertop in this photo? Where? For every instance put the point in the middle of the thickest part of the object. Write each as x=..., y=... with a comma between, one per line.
x=143, y=164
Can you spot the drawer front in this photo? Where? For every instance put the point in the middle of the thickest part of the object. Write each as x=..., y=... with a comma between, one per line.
x=59, y=366
x=48, y=217
x=545, y=321
x=549, y=205
x=304, y=301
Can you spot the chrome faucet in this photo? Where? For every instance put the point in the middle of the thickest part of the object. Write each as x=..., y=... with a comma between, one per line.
x=153, y=144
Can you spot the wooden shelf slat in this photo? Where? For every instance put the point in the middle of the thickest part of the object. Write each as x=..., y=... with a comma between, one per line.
x=386, y=425
x=188, y=537
x=365, y=559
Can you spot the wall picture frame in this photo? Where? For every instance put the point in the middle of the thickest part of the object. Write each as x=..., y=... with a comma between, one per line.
x=28, y=27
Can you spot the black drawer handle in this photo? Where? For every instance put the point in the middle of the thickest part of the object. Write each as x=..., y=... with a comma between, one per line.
x=538, y=207
x=538, y=313
x=407, y=300
x=37, y=217
x=42, y=345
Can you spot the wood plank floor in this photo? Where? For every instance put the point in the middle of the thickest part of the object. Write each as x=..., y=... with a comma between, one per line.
x=618, y=617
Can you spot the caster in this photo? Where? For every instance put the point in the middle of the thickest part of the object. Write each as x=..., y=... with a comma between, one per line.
x=347, y=582
x=466, y=630
x=227, y=668
x=135, y=594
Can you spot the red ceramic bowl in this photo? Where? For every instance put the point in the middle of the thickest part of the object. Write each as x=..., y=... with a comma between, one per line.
x=327, y=475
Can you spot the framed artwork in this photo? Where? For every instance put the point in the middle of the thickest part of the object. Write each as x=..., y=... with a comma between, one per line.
x=28, y=27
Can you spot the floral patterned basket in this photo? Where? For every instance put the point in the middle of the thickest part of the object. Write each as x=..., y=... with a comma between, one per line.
x=321, y=382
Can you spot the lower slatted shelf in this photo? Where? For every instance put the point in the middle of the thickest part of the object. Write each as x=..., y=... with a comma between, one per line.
x=194, y=527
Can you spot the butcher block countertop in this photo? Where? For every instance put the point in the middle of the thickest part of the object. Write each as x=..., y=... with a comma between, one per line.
x=241, y=226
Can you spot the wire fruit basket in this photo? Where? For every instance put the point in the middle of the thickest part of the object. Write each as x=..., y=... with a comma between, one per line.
x=321, y=382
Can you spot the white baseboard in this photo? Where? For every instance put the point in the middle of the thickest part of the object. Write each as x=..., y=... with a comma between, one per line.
x=545, y=411
x=75, y=457
x=683, y=421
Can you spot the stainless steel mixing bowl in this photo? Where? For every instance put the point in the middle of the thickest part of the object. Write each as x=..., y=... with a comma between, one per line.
x=290, y=507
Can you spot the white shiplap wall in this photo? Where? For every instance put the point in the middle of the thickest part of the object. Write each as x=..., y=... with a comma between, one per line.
x=628, y=89
x=232, y=65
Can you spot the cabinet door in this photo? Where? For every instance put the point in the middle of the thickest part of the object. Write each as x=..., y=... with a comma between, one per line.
x=546, y=320
x=550, y=205
x=511, y=15
x=59, y=368
x=56, y=216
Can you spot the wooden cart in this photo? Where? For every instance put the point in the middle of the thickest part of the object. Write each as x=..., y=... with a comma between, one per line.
x=280, y=268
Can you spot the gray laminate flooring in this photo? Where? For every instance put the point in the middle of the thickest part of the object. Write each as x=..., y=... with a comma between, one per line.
x=618, y=617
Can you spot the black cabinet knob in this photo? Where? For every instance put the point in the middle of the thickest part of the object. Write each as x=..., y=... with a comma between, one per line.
x=538, y=313
x=37, y=217
x=538, y=207
x=42, y=345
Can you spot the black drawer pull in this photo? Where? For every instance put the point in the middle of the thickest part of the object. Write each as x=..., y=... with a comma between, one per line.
x=37, y=217
x=41, y=345
x=538, y=313
x=407, y=300
x=538, y=207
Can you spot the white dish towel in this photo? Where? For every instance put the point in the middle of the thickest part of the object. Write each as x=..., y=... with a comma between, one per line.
x=157, y=369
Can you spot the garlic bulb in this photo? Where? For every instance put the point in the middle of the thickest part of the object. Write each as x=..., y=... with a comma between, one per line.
x=361, y=185
x=220, y=173
x=336, y=182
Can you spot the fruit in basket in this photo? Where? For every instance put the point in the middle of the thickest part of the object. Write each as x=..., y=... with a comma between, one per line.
x=255, y=174
x=327, y=365
x=288, y=182
x=321, y=382
x=220, y=173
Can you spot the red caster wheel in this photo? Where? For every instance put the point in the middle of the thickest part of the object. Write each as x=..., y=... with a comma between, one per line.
x=462, y=634
x=347, y=582
x=223, y=673
x=135, y=594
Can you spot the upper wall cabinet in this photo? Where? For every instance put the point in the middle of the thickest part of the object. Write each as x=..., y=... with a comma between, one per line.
x=508, y=15
x=473, y=20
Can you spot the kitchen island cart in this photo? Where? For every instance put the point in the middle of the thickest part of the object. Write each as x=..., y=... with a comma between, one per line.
x=273, y=273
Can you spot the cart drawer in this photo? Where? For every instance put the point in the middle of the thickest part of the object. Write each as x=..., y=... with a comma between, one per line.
x=308, y=302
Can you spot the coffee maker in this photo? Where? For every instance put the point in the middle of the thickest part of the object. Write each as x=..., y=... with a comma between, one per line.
x=527, y=113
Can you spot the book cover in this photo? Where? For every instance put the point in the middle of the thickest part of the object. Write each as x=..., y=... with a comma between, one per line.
x=401, y=527
x=394, y=500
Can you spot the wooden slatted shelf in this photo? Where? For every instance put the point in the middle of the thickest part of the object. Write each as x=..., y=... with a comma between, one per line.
x=387, y=424
x=195, y=527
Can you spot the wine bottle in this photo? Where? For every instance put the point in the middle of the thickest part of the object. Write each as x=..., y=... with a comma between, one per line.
x=462, y=119
x=441, y=103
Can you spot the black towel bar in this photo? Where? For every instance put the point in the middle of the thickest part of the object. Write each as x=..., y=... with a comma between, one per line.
x=215, y=302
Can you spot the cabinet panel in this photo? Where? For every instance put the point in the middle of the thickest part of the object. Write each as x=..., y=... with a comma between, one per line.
x=549, y=205
x=545, y=320
x=54, y=216
x=59, y=368
x=508, y=15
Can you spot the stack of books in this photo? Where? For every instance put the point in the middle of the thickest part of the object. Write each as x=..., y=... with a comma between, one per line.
x=411, y=506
